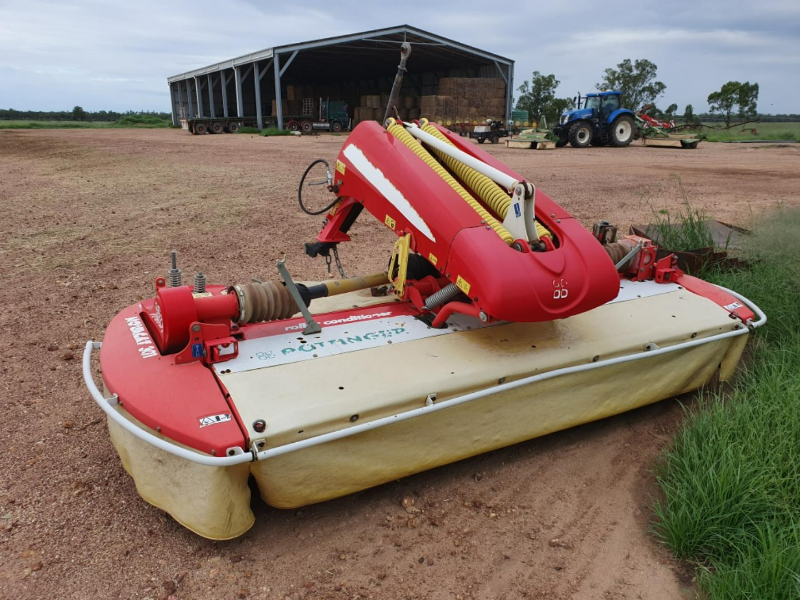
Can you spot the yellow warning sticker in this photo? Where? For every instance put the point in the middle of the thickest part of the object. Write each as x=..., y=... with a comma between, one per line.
x=340, y=166
x=390, y=222
x=433, y=260
x=462, y=284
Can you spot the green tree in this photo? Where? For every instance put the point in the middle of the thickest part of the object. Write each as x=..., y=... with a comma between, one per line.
x=689, y=117
x=669, y=114
x=537, y=93
x=731, y=95
x=557, y=106
x=78, y=113
x=538, y=97
x=748, y=100
x=635, y=80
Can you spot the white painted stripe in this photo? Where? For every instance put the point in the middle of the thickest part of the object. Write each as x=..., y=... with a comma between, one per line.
x=387, y=189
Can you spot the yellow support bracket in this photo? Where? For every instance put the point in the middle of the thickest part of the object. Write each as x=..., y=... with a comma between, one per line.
x=400, y=259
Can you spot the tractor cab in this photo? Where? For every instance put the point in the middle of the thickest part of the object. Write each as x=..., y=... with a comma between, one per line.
x=598, y=119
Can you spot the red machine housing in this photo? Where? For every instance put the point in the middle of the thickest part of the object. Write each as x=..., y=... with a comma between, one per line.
x=379, y=172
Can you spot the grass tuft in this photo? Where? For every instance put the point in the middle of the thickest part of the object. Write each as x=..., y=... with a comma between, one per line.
x=731, y=480
x=685, y=231
x=272, y=131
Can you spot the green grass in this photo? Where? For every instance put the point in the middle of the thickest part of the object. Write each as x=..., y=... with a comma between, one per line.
x=731, y=480
x=126, y=121
x=140, y=121
x=54, y=124
x=269, y=131
x=685, y=231
x=789, y=132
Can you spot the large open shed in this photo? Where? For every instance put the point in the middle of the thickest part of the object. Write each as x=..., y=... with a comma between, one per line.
x=257, y=85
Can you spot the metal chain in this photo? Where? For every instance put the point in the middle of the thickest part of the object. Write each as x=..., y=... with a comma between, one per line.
x=338, y=263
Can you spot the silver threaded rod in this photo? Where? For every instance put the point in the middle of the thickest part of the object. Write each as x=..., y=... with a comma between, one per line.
x=174, y=276
x=200, y=283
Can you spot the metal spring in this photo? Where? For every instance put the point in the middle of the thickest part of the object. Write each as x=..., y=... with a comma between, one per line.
x=200, y=283
x=174, y=276
x=445, y=294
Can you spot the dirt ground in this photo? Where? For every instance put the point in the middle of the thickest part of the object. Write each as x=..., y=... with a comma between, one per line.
x=88, y=220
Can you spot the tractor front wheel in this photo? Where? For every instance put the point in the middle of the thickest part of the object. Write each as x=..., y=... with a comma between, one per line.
x=622, y=130
x=580, y=134
x=336, y=127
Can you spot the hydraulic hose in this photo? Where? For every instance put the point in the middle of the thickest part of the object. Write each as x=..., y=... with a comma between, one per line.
x=401, y=134
x=486, y=189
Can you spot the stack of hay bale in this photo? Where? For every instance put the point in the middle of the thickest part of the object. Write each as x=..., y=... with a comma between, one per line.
x=373, y=107
x=293, y=105
x=466, y=100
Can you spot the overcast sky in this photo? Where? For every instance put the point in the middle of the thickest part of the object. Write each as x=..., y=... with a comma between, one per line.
x=117, y=55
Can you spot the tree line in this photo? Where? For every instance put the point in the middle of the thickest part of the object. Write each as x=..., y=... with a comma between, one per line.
x=76, y=114
x=639, y=87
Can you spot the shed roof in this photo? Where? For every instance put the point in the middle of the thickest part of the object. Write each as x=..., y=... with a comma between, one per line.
x=361, y=55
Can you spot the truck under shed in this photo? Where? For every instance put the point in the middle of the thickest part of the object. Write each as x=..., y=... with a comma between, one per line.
x=257, y=86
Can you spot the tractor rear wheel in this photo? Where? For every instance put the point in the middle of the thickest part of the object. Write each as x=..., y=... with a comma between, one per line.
x=622, y=131
x=580, y=134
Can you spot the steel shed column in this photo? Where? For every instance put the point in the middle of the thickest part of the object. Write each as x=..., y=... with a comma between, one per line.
x=174, y=107
x=509, y=91
x=198, y=90
x=211, y=97
x=223, y=81
x=189, y=101
x=237, y=71
x=278, y=100
x=257, y=84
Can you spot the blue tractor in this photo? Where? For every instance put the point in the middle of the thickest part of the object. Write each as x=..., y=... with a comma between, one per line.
x=600, y=121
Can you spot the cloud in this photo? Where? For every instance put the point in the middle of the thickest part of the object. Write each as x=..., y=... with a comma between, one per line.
x=118, y=55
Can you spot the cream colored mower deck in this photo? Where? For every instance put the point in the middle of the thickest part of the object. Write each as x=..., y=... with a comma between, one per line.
x=344, y=422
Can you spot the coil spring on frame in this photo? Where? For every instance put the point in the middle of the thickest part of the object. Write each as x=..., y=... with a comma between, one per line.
x=401, y=134
x=445, y=294
x=486, y=189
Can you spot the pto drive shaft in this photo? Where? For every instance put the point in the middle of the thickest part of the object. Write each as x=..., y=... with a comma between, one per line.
x=270, y=301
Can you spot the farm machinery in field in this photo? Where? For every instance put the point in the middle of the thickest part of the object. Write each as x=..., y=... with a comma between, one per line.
x=500, y=318
x=598, y=120
x=662, y=134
